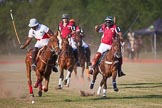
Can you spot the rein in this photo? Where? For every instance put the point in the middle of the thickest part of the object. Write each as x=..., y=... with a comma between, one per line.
x=52, y=50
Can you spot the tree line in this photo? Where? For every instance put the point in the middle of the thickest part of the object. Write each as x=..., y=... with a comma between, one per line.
x=87, y=14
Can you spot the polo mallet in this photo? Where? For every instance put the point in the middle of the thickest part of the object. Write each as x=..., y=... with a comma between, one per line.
x=135, y=20
x=15, y=28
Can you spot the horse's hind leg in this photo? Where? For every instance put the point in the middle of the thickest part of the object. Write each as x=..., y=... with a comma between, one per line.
x=87, y=71
x=28, y=73
x=39, y=82
x=83, y=68
x=114, y=81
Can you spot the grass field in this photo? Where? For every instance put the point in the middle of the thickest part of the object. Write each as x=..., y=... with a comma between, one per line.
x=140, y=88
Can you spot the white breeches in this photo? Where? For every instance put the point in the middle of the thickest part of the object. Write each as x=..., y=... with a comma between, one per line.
x=41, y=43
x=103, y=47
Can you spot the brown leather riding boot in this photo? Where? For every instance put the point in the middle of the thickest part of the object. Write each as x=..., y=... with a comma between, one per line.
x=94, y=61
x=34, y=55
x=88, y=55
x=55, y=57
x=120, y=72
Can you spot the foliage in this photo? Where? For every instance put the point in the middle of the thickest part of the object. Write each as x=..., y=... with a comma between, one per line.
x=87, y=13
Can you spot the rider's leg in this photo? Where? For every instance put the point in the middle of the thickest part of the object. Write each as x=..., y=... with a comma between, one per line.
x=75, y=51
x=94, y=61
x=54, y=67
x=120, y=72
x=87, y=51
x=88, y=55
x=34, y=55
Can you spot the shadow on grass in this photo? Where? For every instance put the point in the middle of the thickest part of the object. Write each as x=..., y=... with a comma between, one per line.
x=131, y=97
x=140, y=85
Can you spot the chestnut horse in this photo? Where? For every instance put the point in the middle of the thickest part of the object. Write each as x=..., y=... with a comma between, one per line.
x=108, y=68
x=46, y=58
x=82, y=57
x=66, y=61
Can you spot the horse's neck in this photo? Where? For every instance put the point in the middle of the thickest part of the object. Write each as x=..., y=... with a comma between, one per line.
x=66, y=48
x=110, y=55
x=46, y=52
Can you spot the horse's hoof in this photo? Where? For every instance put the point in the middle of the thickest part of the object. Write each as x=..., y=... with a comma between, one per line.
x=59, y=87
x=67, y=85
x=116, y=89
x=44, y=89
x=104, y=97
x=36, y=85
x=39, y=93
x=91, y=86
x=65, y=81
x=32, y=95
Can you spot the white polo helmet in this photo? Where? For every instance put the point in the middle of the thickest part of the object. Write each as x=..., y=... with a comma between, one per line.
x=33, y=22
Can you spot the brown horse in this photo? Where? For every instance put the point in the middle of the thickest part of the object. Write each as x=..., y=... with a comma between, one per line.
x=45, y=60
x=82, y=56
x=108, y=67
x=66, y=61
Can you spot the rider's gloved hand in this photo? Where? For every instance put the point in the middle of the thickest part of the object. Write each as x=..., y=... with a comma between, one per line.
x=21, y=46
x=122, y=44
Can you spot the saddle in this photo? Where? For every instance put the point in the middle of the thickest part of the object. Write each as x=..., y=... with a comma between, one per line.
x=102, y=57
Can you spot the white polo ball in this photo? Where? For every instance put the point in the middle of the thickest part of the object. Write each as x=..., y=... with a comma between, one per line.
x=33, y=102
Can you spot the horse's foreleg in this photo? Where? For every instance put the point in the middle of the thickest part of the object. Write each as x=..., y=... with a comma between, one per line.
x=100, y=87
x=94, y=79
x=39, y=82
x=67, y=79
x=105, y=86
x=28, y=73
x=114, y=74
x=61, y=78
x=45, y=88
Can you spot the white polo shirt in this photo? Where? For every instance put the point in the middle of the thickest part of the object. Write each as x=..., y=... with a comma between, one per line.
x=40, y=34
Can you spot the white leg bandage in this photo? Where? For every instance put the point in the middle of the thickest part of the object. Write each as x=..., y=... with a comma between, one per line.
x=60, y=82
x=99, y=90
x=104, y=92
x=68, y=74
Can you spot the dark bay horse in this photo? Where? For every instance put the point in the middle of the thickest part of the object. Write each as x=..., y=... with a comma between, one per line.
x=82, y=56
x=108, y=68
x=45, y=60
x=66, y=61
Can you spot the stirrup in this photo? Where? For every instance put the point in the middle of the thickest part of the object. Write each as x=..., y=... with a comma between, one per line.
x=54, y=69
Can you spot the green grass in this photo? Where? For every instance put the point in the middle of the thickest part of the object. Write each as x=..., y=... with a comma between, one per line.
x=140, y=88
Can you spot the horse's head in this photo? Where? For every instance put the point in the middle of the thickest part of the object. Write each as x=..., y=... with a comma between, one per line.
x=65, y=43
x=116, y=48
x=78, y=39
x=53, y=44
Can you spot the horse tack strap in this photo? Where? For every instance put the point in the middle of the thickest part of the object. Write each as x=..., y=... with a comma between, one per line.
x=44, y=61
x=108, y=62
